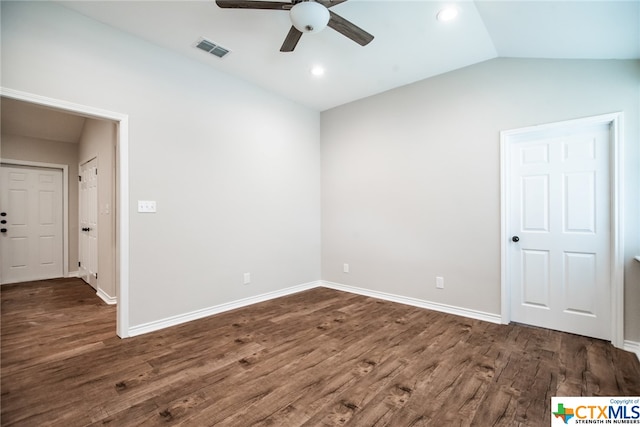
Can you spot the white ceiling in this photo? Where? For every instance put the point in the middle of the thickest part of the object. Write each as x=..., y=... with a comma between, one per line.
x=29, y=120
x=409, y=45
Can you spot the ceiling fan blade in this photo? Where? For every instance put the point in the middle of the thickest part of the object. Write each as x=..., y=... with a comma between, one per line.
x=291, y=40
x=241, y=4
x=330, y=3
x=349, y=29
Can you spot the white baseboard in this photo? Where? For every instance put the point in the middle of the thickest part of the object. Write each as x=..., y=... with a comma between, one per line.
x=72, y=274
x=450, y=309
x=632, y=346
x=106, y=298
x=205, y=312
x=144, y=328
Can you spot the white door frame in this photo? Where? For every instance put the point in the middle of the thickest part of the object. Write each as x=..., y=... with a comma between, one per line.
x=507, y=137
x=65, y=203
x=122, y=189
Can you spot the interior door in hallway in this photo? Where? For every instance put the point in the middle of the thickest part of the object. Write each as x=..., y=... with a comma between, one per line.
x=88, y=239
x=32, y=211
x=560, y=230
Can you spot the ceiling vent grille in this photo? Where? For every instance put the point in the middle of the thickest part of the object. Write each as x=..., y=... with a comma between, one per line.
x=211, y=47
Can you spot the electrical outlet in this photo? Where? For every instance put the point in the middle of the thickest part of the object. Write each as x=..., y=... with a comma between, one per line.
x=345, y=268
x=247, y=278
x=439, y=282
x=147, y=206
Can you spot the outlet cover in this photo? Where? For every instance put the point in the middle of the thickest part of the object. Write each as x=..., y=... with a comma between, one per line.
x=147, y=206
x=440, y=282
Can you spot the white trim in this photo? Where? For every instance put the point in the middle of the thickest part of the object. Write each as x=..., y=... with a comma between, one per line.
x=216, y=309
x=73, y=274
x=221, y=308
x=106, y=297
x=615, y=121
x=65, y=203
x=122, y=227
x=122, y=178
x=435, y=306
x=505, y=290
x=632, y=346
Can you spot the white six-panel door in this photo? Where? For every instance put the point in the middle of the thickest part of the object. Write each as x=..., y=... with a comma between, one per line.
x=32, y=245
x=88, y=239
x=560, y=231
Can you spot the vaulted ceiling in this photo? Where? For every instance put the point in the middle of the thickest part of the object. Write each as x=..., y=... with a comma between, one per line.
x=410, y=43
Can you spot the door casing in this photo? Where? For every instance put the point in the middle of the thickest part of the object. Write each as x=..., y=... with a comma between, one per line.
x=507, y=138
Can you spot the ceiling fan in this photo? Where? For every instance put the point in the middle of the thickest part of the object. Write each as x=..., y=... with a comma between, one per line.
x=307, y=16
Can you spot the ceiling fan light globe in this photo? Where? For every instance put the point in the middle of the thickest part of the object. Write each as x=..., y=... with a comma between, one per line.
x=309, y=17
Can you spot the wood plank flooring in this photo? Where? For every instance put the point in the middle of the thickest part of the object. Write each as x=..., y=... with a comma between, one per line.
x=317, y=358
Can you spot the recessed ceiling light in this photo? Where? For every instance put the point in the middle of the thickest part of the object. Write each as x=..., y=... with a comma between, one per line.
x=317, y=70
x=447, y=14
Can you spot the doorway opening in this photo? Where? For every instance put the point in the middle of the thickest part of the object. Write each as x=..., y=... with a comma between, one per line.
x=120, y=207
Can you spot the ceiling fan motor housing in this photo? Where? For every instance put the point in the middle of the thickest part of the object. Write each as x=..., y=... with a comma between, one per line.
x=309, y=16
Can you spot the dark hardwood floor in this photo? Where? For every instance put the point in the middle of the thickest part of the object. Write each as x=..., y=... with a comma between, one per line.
x=317, y=358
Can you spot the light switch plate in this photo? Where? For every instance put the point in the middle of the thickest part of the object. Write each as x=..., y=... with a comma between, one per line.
x=147, y=206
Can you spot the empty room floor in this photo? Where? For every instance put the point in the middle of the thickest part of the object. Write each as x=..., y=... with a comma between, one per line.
x=316, y=358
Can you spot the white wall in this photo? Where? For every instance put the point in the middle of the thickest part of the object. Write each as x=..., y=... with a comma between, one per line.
x=235, y=171
x=98, y=140
x=411, y=177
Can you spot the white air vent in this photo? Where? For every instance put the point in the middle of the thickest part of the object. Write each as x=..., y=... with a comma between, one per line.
x=211, y=47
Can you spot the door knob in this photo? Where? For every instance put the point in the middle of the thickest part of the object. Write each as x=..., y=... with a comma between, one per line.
x=3, y=214
x=3, y=230
x=515, y=239
x=4, y=221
